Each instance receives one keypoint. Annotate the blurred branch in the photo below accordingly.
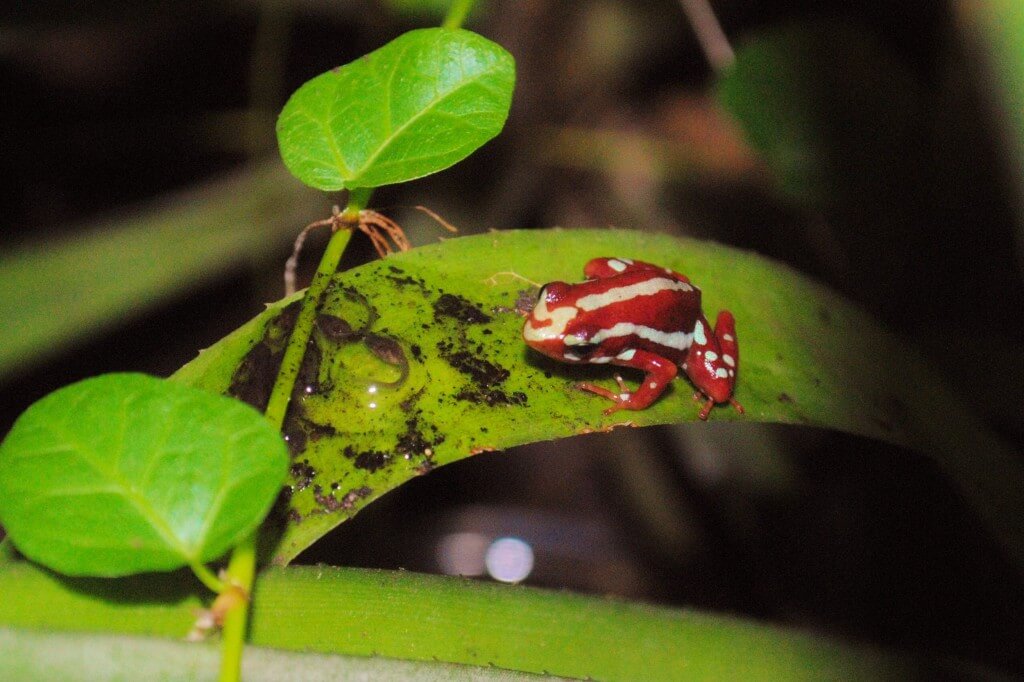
(66, 291)
(709, 33)
(266, 73)
(670, 157)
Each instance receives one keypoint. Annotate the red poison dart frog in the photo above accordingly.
(638, 315)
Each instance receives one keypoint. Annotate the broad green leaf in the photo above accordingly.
(68, 289)
(418, 362)
(421, 103)
(125, 473)
(441, 619)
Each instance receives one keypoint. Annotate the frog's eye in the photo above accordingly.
(553, 292)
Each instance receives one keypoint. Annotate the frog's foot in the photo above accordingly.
(621, 399)
(709, 403)
(658, 374)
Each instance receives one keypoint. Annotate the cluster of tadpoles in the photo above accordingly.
(378, 227)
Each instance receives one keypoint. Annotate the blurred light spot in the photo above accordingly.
(509, 560)
(372, 406)
(372, 389)
(462, 553)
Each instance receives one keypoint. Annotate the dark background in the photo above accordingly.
(907, 208)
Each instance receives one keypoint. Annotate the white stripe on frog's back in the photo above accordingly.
(648, 287)
(677, 340)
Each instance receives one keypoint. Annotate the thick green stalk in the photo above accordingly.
(242, 566)
(241, 573)
(408, 616)
(457, 13)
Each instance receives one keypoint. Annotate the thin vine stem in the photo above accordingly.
(457, 13)
(709, 34)
(281, 394)
(207, 577)
(241, 569)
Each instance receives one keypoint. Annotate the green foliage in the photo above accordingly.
(1001, 25)
(418, 361)
(70, 288)
(410, 108)
(442, 619)
(125, 473)
(432, 10)
(80, 657)
(827, 107)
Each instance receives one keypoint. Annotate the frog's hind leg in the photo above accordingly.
(725, 331)
(658, 374)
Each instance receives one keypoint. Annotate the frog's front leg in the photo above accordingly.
(658, 374)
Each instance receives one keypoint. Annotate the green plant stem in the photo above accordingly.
(457, 13)
(280, 396)
(207, 577)
(241, 572)
(242, 566)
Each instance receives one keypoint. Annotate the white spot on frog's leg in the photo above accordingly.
(732, 373)
(652, 385)
(729, 360)
(616, 265)
(728, 337)
(711, 356)
(626, 354)
(600, 360)
(698, 334)
(648, 287)
(623, 396)
(571, 356)
(721, 373)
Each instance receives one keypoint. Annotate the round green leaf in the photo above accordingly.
(421, 103)
(125, 473)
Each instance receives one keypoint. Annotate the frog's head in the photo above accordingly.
(545, 325)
